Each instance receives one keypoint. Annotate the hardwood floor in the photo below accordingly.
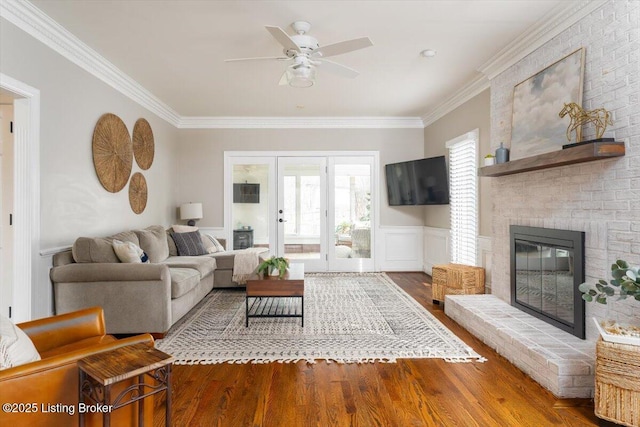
(412, 392)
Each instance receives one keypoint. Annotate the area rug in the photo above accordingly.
(349, 318)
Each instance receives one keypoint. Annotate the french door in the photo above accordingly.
(302, 211)
(312, 209)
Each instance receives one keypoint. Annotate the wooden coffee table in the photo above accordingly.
(267, 293)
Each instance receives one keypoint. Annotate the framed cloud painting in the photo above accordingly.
(536, 126)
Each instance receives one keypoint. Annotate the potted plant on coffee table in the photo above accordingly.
(274, 266)
(625, 284)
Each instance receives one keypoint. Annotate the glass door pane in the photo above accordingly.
(351, 185)
(252, 205)
(302, 211)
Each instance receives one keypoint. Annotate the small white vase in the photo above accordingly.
(489, 161)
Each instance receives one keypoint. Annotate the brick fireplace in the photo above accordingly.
(601, 199)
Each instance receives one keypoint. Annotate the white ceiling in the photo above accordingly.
(176, 50)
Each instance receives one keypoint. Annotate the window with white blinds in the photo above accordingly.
(463, 193)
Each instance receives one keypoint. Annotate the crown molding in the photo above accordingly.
(300, 122)
(468, 91)
(36, 23)
(550, 25)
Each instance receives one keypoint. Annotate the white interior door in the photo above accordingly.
(302, 211)
(6, 208)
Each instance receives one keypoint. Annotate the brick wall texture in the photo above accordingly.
(601, 198)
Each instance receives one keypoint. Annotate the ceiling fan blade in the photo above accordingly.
(282, 38)
(284, 80)
(343, 47)
(265, 58)
(335, 68)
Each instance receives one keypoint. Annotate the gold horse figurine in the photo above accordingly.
(599, 117)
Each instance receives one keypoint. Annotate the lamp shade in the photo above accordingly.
(191, 211)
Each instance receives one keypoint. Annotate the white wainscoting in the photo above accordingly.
(436, 247)
(399, 248)
(436, 251)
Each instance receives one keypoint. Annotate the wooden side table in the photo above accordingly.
(100, 371)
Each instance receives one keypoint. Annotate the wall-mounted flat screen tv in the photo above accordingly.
(418, 182)
(246, 193)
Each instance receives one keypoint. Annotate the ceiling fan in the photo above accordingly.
(307, 55)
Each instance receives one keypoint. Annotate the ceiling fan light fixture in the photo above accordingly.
(301, 76)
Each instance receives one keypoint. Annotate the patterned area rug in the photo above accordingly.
(349, 318)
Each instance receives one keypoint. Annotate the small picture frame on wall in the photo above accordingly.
(536, 126)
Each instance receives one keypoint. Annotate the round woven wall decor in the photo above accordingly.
(138, 193)
(112, 152)
(143, 145)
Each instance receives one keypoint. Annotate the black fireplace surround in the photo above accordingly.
(547, 266)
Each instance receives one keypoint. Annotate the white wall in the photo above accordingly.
(473, 114)
(73, 202)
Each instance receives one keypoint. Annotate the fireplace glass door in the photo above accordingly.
(544, 279)
(547, 266)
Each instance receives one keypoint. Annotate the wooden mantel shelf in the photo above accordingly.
(578, 154)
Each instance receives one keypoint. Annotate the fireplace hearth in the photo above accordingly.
(547, 266)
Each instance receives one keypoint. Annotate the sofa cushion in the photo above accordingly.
(224, 260)
(89, 249)
(204, 265)
(16, 348)
(153, 241)
(100, 249)
(189, 244)
(173, 250)
(183, 280)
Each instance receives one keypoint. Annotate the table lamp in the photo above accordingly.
(191, 212)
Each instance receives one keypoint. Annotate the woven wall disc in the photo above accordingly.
(112, 152)
(138, 193)
(143, 145)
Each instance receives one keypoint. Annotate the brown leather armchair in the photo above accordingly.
(52, 383)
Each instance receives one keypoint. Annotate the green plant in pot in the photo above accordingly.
(272, 264)
(625, 283)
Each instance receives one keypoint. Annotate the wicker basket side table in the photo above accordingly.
(456, 279)
(617, 394)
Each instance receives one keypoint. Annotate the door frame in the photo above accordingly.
(375, 183)
(26, 195)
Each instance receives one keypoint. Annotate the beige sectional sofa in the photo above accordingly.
(137, 297)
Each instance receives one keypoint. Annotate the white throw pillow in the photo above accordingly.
(16, 348)
(211, 244)
(177, 228)
(127, 252)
